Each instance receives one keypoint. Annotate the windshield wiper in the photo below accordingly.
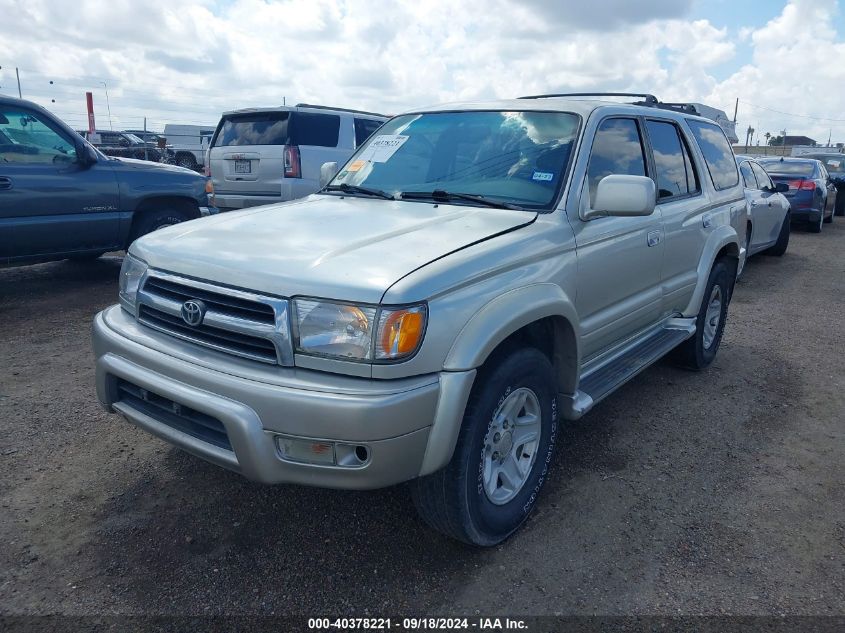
(347, 188)
(439, 195)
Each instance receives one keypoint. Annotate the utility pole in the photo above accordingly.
(736, 108)
(146, 157)
(108, 107)
(18, 75)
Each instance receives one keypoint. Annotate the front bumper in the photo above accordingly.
(408, 426)
(206, 211)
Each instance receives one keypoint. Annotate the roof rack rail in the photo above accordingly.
(689, 108)
(322, 107)
(649, 99)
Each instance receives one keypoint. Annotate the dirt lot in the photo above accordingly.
(683, 493)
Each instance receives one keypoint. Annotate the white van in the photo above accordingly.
(189, 143)
(260, 156)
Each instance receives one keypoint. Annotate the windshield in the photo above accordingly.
(134, 139)
(789, 168)
(518, 158)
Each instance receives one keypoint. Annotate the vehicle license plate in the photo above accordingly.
(243, 167)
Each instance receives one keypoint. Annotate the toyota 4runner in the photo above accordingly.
(471, 276)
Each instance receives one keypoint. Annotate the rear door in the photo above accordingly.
(681, 204)
(50, 203)
(247, 153)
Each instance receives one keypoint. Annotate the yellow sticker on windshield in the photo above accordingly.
(356, 165)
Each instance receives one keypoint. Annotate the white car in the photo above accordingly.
(768, 210)
(264, 155)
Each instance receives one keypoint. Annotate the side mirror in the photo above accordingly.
(85, 155)
(327, 172)
(623, 196)
(781, 187)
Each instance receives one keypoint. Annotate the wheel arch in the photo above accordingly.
(723, 243)
(151, 204)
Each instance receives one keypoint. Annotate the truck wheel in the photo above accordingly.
(779, 248)
(155, 220)
(830, 219)
(186, 160)
(699, 351)
(502, 456)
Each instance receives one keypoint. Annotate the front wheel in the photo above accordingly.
(699, 351)
(502, 456)
(155, 220)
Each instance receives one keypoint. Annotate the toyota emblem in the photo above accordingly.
(193, 311)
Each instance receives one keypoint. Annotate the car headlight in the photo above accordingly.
(131, 273)
(356, 332)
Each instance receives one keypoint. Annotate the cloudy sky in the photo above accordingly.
(185, 61)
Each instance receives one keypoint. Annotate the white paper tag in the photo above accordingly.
(382, 148)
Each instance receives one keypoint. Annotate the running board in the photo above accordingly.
(602, 380)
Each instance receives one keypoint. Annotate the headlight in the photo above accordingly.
(131, 274)
(360, 333)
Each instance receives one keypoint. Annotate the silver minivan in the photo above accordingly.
(263, 155)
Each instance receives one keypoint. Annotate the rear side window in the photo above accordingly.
(364, 129)
(717, 154)
(260, 128)
(748, 178)
(617, 149)
(762, 177)
(310, 128)
(675, 175)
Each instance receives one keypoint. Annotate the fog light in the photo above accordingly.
(306, 451)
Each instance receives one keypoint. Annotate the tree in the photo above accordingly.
(776, 140)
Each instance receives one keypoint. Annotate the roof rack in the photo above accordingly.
(321, 107)
(649, 99)
(689, 108)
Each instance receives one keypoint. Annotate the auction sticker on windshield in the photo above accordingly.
(383, 147)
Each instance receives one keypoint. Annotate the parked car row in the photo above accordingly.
(127, 145)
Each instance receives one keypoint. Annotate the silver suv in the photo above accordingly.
(474, 274)
(260, 156)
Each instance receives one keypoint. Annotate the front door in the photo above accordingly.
(619, 259)
(50, 203)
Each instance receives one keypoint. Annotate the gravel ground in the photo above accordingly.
(683, 493)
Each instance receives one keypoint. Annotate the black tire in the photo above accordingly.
(839, 209)
(830, 219)
(814, 227)
(187, 161)
(453, 500)
(779, 248)
(153, 220)
(694, 353)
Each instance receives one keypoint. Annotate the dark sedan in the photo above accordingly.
(811, 194)
(835, 165)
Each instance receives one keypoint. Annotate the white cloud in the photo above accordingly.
(190, 60)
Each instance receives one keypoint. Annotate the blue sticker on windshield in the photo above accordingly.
(543, 176)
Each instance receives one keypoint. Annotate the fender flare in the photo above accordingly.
(722, 236)
(506, 314)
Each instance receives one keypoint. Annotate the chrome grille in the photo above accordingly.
(237, 322)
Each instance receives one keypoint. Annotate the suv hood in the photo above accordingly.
(324, 246)
(151, 165)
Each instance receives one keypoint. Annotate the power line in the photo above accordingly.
(802, 116)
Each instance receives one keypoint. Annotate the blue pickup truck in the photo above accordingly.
(62, 198)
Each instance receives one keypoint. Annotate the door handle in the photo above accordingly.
(5, 183)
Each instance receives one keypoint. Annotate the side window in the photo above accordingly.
(717, 154)
(364, 129)
(748, 178)
(27, 137)
(762, 177)
(617, 149)
(310, 128)
(675, 175)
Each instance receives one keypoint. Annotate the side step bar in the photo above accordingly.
(600, 381)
